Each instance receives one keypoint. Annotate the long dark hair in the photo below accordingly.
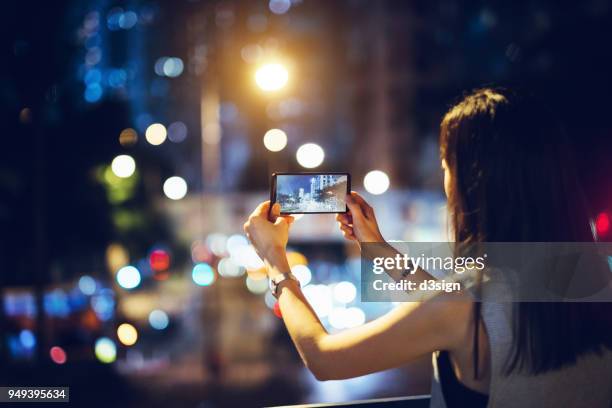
(513, 179)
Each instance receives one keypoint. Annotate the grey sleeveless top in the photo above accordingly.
(588, 383)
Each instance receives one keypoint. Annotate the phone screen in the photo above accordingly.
(303, 193)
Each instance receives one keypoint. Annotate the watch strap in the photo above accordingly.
(276, 281)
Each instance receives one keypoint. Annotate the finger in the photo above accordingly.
(366, 208)
(346, 229)
(344, 218)
(342, 225)
(354, 208)
(262, 209)
(349, 236)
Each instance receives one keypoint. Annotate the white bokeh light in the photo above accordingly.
(234, 242)
(156, 134)
(320, 298)
(275, 140)
(228, 268)
(354, 316)
(302, 273)
(336, 318)
(128, 277)
(175, 188)
(173, 67)
(376, 182)
(344, 292)
(271, 77)
(310, 155)
(123, 166)
(257, 286)
(247, 257)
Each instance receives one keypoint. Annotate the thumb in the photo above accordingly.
(354, 208)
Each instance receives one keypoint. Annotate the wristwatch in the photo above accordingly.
(275, 281)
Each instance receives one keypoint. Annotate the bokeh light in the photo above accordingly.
(257, 286)
(310, 155)
(123, 166)
(203, 274)
(128, 20)
(234, 242)
(128, 137)
(344, 292)
(177, 132)
(295, 258)
(277, 311)
(320, 298)
(25, 115)
(27, 339)
(156, 134)
(128, 277)
(200, 252)
(251, 53)
(58, 355)
(376, 182)
(217, 242)
(247, 257)
(271, 77)
(269, 299)
(116, 256)
(354, 317)
(127, 334)
(103, 304)
(227, 268)
(172, 67)
(275, 140)
(602, 224)
(93, 92)
(175, 188)
(302, 273)
(159, 260)
(87, 285)
(105, 350)
(158, 319)
(279, 6)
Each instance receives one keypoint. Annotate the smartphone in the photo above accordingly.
(310, 193)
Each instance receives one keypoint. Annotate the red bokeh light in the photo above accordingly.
(602, 224)
(159, 260)
(277, 311)
(58, 355)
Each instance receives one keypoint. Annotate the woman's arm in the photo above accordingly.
(409, 331)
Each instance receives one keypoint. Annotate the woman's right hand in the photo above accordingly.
(359, 223)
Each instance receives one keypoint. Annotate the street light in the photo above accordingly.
(271, 77)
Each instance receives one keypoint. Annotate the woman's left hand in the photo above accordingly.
(268, 231)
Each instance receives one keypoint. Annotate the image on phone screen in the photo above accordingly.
(300, 193)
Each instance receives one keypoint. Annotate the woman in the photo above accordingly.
(508, 176)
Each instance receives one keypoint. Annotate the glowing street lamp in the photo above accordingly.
(271, 77)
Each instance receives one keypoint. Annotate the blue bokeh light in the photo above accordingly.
(203, 274)
(93, 92)
(158, 319)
